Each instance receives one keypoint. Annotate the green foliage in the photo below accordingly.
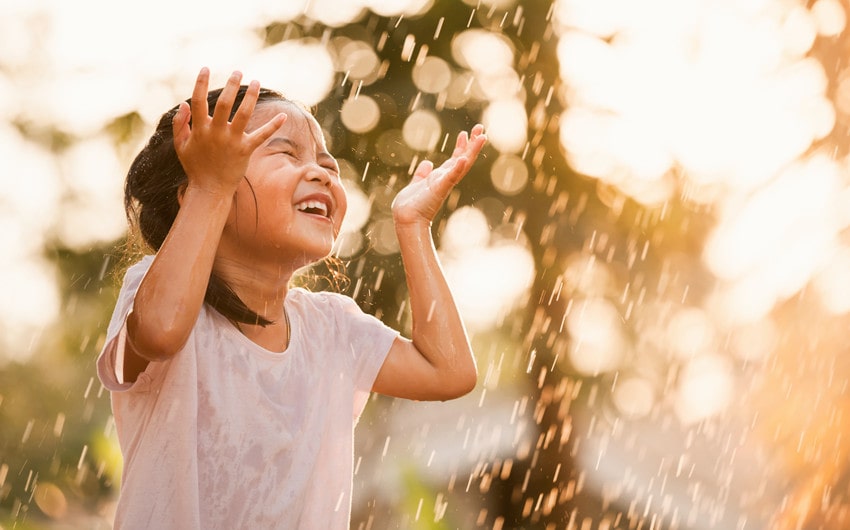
(52, 408)
(424, 505)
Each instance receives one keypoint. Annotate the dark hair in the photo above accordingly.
(150, 199)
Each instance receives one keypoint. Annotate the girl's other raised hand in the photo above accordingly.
(214, 150)
(422, 198)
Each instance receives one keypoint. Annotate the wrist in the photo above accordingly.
(220, 191)
(211, 196)
(418, 225)
(415, 237)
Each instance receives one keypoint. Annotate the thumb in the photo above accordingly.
(423, 170)
(180, 124)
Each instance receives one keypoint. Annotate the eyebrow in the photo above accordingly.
(281, 140)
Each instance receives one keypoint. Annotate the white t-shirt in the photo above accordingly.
(229, 435)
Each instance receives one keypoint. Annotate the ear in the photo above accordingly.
(180, 192)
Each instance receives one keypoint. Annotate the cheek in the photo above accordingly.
(342, 208)
(254, 204)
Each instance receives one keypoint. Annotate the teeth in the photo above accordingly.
(312, 205)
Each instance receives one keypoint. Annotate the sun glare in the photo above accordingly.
(489, 275)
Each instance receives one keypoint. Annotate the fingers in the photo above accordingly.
(467, 147)
(423, 170)
(460, 143)
(200, 110)
(448, 175)
(223, 106)
(470, 144)
(246, 108)
(476, 141)
(180, 123)
(456, 170)
(263, 133)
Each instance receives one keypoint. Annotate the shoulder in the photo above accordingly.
(142, 265)
(134, 274)
(322, 301)
(339, 309)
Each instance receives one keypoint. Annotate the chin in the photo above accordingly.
(325, 248)
(317, 252)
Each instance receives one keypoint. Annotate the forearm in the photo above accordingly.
(438, 331)
(172, 292)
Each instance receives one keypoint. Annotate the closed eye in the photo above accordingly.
(283, 146)
(328, 162)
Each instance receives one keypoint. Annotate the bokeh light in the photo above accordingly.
(382, 236)
(433, 75)
(598, 340)
(389, 8)
(422, 130)
(691, 333)
(483, 51)
(509, 174)
(350, 239)
(775, 240)
(830, 17)
(490, 275)
(679, 107)
(634, 397)
(358, 61)
(465, 229)
(360, 114)
(50, 500)
(489, 282)
(507, 124)
(334, 13)
(93, 213)
(281, 66)
(705, 388)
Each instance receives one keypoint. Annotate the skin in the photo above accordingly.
(256, 248)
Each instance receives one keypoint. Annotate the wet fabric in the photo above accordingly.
(227, 434)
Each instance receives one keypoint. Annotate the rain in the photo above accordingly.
(651, 256)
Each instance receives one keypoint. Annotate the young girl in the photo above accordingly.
(235, 396)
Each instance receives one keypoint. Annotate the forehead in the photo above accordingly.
(299, 124)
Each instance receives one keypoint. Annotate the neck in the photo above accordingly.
(261, 287)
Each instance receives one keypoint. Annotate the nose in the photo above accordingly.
(316, 173)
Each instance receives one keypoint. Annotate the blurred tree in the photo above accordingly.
(53, 410)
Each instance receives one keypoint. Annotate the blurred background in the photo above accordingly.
(652, 256)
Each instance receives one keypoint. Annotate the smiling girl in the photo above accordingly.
(234, 395)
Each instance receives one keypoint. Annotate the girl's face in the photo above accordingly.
(291, 204)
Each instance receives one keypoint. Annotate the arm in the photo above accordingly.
(214, 153)
(437, 363)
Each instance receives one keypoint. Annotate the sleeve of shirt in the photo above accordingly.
(110, 362)
(369, 341)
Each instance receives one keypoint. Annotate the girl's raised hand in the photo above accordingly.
(422, 198)
(215, 150)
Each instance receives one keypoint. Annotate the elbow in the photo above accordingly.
(461, 385)
(469, 382)
(153, 342)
